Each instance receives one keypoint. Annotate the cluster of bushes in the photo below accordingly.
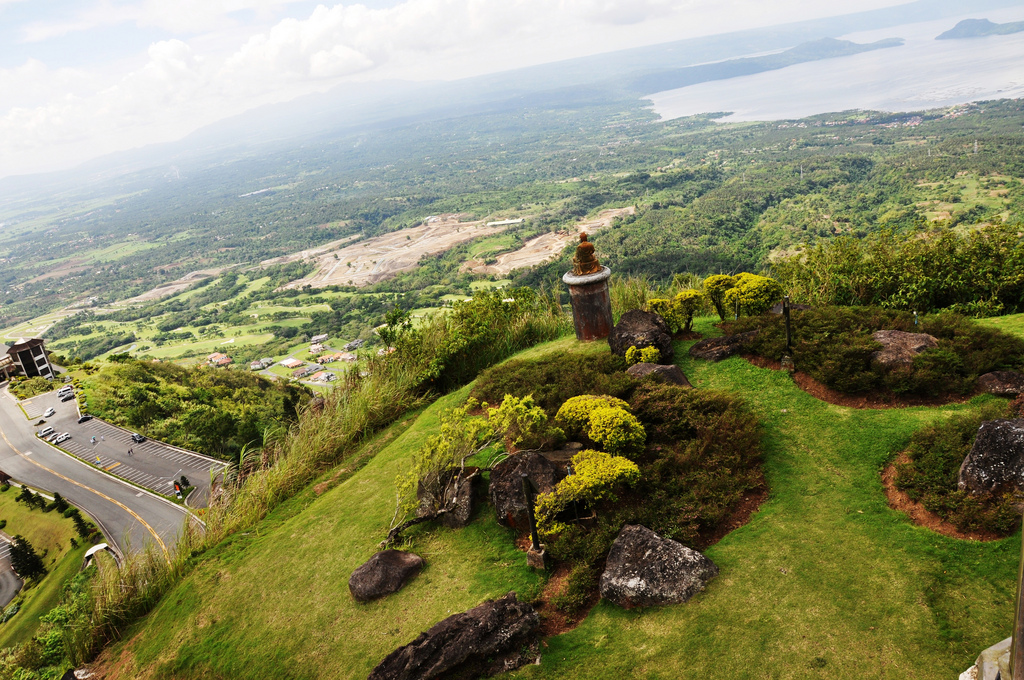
(929, 476)
(699, 456)
(834, 346)
(26, 388)
(216, 412)
(976, 273)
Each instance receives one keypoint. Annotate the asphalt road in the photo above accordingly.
(153, 465)
(10, 584)
(130, 518)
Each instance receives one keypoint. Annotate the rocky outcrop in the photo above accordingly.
(996, 460)
(458, 495)
(899, 347)
(507, 487)
(716, 349)
(660, 372)
(643, 570)
(383, 574)
(1002, 383)
(497, 636)
(641, 329)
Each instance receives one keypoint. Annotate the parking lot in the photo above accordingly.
(152, 465)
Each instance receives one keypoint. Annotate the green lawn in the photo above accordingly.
(1011, 323)
(825, 581)
(40, 599)
(46, 531)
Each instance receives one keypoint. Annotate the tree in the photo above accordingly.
(25, 560)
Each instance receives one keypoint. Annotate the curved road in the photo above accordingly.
(129, 518)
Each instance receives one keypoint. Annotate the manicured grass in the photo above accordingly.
(40, 599)
(47, 531)
(1011, 323)
(824, 581)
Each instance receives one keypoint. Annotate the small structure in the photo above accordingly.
(355, 344)
(316, 348)
(256, 366)
(25, 357)
(347, 356)
(218, 359)
(317, 339)
(291, 362)
(303, 372)
(323, 376)
(589, 293)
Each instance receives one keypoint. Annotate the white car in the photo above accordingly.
(49, 412)
(62, 438)
(45, 432)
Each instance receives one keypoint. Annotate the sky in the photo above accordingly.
(81, 78)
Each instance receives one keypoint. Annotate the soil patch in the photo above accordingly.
(872, 399)
(552, 621)
(740, 515)
(898, 500)
(687, 335)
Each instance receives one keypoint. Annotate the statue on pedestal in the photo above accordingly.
(585, 261)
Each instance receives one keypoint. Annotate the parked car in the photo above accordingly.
(53, 436)
(84, 418)
(63, 438)
(45, 432)
(137, 438)
(67, 389)
(49, 412)
(67, 397)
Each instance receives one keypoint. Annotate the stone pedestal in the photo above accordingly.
(787, 363)
(993, 663)
(538, 559)
(591, 304)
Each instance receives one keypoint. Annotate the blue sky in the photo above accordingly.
(80, 78)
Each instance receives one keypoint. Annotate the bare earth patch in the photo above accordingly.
(381, 257)
(899, 500)
(173, 287)
(545, 246)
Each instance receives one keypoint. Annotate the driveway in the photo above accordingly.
(152, 465)
(128, 516)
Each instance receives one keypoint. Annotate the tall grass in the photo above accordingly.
(364, 402)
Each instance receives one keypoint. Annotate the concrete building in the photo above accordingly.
(25, 357)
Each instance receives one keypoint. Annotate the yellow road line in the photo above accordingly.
(124, 507)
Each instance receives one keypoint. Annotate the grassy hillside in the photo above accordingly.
(825, 580)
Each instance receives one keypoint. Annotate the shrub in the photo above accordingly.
(715, 287)
(523, 424)
(930, 474)
(687, 303)
(753, 294)
(617, 431)
(574, 415)
(595, 476)
(554, 378)
(650, 355)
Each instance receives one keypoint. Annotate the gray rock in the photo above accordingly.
(383, 574)
(996, 460)
(506, 490)
(641, 329)
(899, 347)
(458, 498)
(716, 349)
(643, 570)
(497, 636)
(1002, 383)
(660, 372)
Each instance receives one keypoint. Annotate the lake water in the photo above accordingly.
(924, 73)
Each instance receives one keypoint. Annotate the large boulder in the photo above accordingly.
(996, 460)
(499, 635)
(716, 349)
(660, 372)
(899, 347)
(641, 329)
(643, 569)
(507, 487)
(1002, 383)
(383, 574)
(460, 488)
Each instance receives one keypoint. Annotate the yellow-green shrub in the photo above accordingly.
(522, 423)
(617, 430)
(756, 294)
(715, 287)
(677, 312)
(574, 414)
(595, 476)
(649, 355)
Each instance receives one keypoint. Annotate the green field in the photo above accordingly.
(824, 581)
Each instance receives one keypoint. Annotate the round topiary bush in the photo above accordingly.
(617, 431)
(574, 415)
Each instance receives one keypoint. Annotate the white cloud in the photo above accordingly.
(62, 116)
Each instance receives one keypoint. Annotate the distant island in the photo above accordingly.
(977, 28)
(825, 48)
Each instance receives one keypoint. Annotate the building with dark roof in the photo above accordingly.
(25, 357)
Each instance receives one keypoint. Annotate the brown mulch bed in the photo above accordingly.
(898, 500)
(872, 399)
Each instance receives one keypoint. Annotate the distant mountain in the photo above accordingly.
(825, 48)
(977, 28)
